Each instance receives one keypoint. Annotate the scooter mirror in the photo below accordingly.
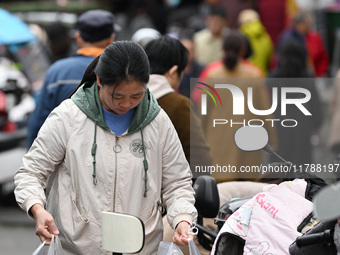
(327, 203)
(207, 197)
(122, 233)
(251, 138)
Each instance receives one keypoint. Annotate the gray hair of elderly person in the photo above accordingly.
(145, 35)
(303, 17)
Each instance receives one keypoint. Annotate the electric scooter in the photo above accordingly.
(243, 136)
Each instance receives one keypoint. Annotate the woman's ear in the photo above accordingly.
(173, 70)
(173, 77)
(170, 74)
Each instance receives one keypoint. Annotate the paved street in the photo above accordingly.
(17, 232)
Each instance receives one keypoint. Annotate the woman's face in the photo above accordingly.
(122, 98)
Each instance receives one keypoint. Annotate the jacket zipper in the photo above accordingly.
(117, 148)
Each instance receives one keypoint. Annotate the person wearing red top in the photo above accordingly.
(318, 53)
(213, 66)
(301, 30)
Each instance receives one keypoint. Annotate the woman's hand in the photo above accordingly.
(44, 223)
(181, 233)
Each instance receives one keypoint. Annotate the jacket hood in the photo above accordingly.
(87, 99)
(159, 85)
(253, 28)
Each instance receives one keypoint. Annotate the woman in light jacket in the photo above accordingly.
(110, 147)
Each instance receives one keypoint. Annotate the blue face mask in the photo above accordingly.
(173, 3)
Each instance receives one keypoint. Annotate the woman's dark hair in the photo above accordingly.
(218, 10)
(164, 53)
(292, 59)
(233, 43)
(121, 61)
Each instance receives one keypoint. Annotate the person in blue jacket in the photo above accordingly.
(95, 31)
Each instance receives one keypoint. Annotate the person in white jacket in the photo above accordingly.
(110, 147)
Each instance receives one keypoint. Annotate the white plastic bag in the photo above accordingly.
(168, 248)
(193, 250)
(54, 248)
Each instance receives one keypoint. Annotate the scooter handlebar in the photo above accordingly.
(206, 231)
(315, 238)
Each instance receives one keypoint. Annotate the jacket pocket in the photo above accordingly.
(85, 218)
(81, 215)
